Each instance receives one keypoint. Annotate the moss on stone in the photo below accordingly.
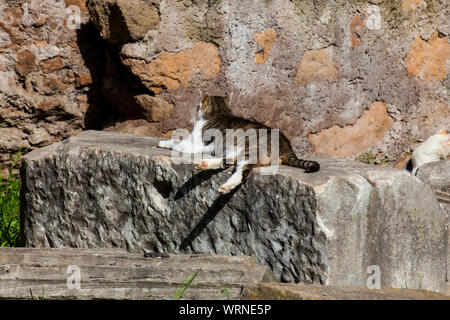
(370, 158)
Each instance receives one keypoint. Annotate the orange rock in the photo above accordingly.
(413, 4)
(25, 62)
(79, 3)
(401, 164)
(172, 70)
(139, 127)
(315, 64)
(13, 16)
(428, 59)
(350, 140)
(265, 41)
(50, 86)
(154, 109)
(40, 22)
(83, 79)
(51, 65)
(48, 105)
(356, 24)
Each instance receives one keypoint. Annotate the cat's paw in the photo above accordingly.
(224, 189)
(165, 144)
(207, 164)
(203, 165)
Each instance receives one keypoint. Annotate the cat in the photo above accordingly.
(435, 148)
(214, 113)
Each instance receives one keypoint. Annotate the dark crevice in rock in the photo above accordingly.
(165, 188)
(92, 48)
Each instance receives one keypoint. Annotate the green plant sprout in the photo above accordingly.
(10, 207)
(186, 284)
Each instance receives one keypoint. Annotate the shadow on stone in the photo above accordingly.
(215, 208)
(195, 181)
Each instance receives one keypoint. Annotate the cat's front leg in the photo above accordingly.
(209, 164)
(168, 144)
(236, 178)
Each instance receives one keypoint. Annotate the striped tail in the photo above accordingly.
(293, 161)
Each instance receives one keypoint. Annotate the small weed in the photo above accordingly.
(186, 284)
(226, 292)
(10, 207)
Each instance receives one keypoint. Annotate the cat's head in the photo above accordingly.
(212, 105)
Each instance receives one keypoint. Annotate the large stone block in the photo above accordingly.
(102, 189)
(116, 274)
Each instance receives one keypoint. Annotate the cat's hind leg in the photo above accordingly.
(236, 178)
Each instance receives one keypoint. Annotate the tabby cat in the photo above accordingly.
(214, 113)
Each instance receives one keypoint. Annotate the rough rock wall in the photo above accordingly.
(50, 64)
(365, 79)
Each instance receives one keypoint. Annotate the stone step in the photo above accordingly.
(289, 291)
(117, 274)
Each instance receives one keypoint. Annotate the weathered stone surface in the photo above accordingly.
(139, 127)
(288, 291)
(172, 70)
(266, 41)
(315, 65)
(154, 109)
(108, 190)
(122, 21)
(40, 55)
(428, 59)
(25, 62)
(303, 67)
(436, 174)
(351, 140)
(413, 4)
(260, 48)
(117, 274)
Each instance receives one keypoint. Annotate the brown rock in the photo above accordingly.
(39, 137)
(350, 140)
(154, 109)
(40, 22)
(83, 79)
(51, 65)
(79, 3)
(290, 291)
(12, 139)
(355, 26)
(13, 16)
(265, 41)
(413, 4)
(315, 65)
(172, 70)
(51, 85)
(25, 62)
(47, 105)
(139, 127)
(402, 164)
(122, 21)
(428, 59)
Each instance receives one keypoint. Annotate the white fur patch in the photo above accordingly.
(435, 148)
(193, 143)
(235, 179)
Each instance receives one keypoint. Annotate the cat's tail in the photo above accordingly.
(292, 160)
